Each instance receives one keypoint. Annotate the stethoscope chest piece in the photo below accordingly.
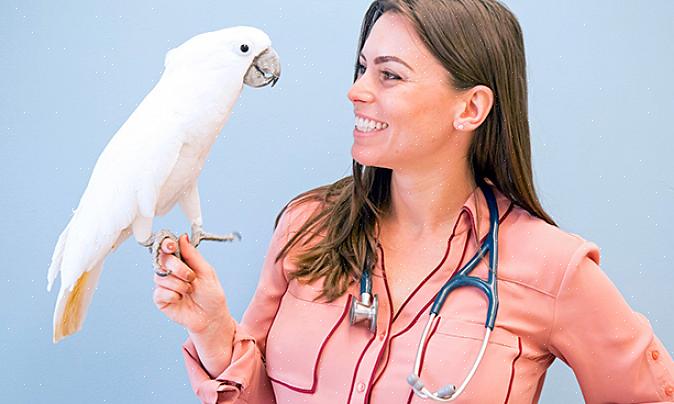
(364, 310)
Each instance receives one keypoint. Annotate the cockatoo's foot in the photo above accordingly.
(154, 244)
(198, 234)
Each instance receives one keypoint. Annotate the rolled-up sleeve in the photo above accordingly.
(244, 380)
(612, 350)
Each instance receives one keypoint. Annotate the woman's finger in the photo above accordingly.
(173, 283)
(177, 267)
(191, 255)
(168, 246)
(163, 297)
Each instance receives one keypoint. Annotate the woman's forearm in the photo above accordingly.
(215, 346)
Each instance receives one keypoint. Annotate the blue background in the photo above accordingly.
(72, 72)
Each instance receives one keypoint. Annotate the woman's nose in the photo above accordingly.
(359, 91)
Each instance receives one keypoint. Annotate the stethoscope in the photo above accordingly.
(366, 309)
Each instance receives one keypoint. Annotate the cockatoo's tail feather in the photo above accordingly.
(56, 259)
(71, 321)
(73, 303)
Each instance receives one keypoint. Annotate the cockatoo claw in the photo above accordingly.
(198, 235)
(153, 243)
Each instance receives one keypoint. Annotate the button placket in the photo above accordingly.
(366, 368)
(375, 349)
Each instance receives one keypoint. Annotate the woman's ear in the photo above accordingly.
(477, 102)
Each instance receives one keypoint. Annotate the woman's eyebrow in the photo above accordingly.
(383, 59)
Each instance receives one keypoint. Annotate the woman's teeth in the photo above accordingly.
(367, 125)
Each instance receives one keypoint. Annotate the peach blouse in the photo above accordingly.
(555, 302)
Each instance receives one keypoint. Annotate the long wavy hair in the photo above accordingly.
(479, 42)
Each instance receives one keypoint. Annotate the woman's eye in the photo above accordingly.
(360, 70)
(389, 75)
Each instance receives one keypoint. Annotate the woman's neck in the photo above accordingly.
(425, 202)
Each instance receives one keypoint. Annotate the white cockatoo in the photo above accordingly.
(154, 160)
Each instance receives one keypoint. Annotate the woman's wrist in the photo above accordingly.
(214, 345)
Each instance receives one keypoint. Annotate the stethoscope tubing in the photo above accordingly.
(362, 311)
(462, 278)
(448, 392)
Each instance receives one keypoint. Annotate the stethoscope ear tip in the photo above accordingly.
(414, 381)
(446, 391)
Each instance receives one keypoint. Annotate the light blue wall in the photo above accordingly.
(71, 72)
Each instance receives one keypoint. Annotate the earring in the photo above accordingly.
(458, 125)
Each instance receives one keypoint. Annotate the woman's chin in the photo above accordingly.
(366, 157)
(363, 157)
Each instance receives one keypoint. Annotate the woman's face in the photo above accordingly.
(405, 94)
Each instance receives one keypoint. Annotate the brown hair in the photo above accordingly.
(479, 42)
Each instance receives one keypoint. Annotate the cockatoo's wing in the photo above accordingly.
(123, 189)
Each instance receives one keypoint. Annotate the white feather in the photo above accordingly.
(154, 157)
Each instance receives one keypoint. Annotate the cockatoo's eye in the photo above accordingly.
(243, 47)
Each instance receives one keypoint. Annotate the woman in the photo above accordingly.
(440, 106)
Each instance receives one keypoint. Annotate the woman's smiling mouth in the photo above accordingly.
(367, 125)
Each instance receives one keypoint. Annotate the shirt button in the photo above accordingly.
(360, 387)
(669, 390)
(655, 355)
(382, 336)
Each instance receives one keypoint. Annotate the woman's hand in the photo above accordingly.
(191, 295)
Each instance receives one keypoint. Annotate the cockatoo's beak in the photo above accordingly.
(265, 69)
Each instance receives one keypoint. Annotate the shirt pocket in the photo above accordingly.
(451, 351)
(300, 331)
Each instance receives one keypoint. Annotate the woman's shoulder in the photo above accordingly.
(308, 203)
(539, 254)
(300, 209)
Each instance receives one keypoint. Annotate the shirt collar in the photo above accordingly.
(475, 212)
(474, 215)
